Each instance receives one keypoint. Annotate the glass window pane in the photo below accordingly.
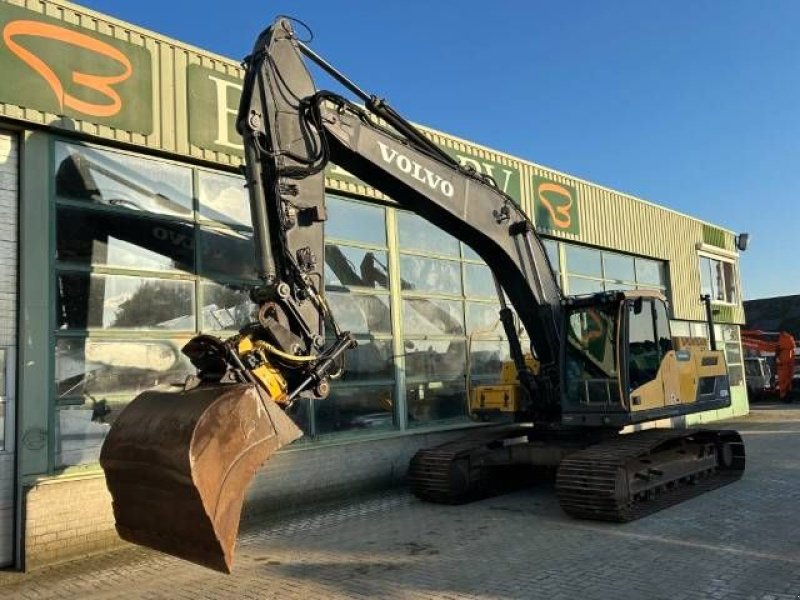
(371, 360)
(583, 261)
(644, 358)
(423, 316)
(717, 280)
(223, 198)
(729, 271)
(650, 271)
(736, 375)
(227, 253)
(115, 179)
(119, 301)
(415, 233)
(356, 408)
(486, 361)
(478, 281)
(699, 330)
(435, 360)
(80, 435)
(730, 333)
(123, 240)
(361, 313)
(435, 401)
(551, 247)
(733, 355)
(680, 328)
(618, 267)
(355, 221)
(706, 288)
(91, 370)
(663, 333)
(469, 253)
(579, 285)
(226, 306)
(484, 319)
(430, 275)
(346, 266)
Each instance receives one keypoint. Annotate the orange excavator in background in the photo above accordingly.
(775, 351)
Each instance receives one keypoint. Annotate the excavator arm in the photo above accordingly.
(292, 132)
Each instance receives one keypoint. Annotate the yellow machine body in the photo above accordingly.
(504, 397)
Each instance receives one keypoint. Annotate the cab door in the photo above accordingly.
(652, 365)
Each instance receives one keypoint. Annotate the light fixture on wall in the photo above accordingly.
(742, 240)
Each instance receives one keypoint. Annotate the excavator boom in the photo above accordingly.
(192, 450)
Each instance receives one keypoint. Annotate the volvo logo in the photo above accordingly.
(417, 171)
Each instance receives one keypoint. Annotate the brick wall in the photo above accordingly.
(67, 518)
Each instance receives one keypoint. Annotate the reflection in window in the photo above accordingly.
(123, 240)
(356, 408)
(484, 319)
(88, 371)
(349, 220)
(468, 253)
(579, 285)
(95, 379)
(347, 266)
(435, 401)
(423, 316)
(618, 267)
(223, 198)
(371, 360)
(478, 281)
(228, 253)
(117, 301)
(486, 360)
(551, 247)
(435, 360)
(431, 274)
(644, 357)
(650, 272)
(591, 361)
(226, 306)
(717, 279)
(115, 179)
(415, 233)
(583, 261)
(361, 313)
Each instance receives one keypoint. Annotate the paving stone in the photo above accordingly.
(737, 542)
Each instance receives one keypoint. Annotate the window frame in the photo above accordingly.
(733, 285)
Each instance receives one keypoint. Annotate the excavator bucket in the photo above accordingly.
(177, 465)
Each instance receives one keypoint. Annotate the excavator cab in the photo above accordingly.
(621, 365)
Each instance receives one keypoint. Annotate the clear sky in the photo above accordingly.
(689, 104)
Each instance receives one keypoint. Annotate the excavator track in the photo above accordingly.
(453, 474)
(634, 475)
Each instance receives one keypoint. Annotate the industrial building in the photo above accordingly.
(126, 230)
(779, 313)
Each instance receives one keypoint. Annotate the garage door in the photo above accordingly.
(8, 339)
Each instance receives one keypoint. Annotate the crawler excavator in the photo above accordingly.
(177, 461)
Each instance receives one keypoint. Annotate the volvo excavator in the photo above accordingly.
(177, 461)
